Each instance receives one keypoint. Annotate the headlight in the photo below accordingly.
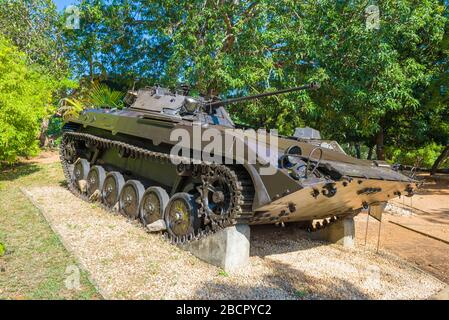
(290, 159)
(191, 104)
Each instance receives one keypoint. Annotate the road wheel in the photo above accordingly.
(153, 204)
(130, 198)
(80, 171)
(181, 216)
(112, 186)
(95, 179)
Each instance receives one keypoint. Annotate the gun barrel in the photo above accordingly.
(311, 86)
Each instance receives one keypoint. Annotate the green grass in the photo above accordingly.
(35, 261)
(301, 293)
(223, 273)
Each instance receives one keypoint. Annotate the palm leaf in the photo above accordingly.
(70, 108)
(101, 96)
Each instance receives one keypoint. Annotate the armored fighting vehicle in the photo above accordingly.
(131, 160)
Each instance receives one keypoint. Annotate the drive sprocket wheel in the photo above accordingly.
(220, 196)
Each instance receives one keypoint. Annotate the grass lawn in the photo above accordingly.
(35, 265)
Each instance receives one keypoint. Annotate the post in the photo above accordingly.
(340, 232)
(227, 248)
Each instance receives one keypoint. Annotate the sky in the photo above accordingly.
(61, 4)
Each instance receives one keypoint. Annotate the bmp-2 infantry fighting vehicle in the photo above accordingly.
(123, 159)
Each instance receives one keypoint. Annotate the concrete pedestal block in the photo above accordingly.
(227, 248)
(340, 232)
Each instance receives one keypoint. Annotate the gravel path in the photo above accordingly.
(125, 262)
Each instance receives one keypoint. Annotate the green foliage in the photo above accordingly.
(2, 249)
(368, 76)
(54, 126)
(25, 98)
(119, 41)
(301, 293)
(34, 27)
(97, 95)
(235, 48)
(392, 80)
(71, 108)
(223, 273)
(422, 157)
(100, 95)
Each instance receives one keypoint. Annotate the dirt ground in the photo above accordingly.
(46, 156)
(430, 215)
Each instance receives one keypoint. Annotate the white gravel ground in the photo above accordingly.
(125, 262)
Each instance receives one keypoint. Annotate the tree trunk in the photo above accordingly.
(357, 150)
(380, 145)
(444, 154)
(91, 69)
(370, 152)
(43, 139)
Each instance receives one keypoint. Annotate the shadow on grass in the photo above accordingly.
(17, 171)
(63, 183)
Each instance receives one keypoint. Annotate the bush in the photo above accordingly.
(425, 156)
(25, 99)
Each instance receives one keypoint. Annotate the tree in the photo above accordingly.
(34, 26)
(25, 99)
(231, 48)
(368, 75)
(115, 44)
(376, 82)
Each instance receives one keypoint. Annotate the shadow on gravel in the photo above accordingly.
(284, 282)
(270, 239)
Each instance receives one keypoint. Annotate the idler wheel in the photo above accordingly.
(80, 171)
(95, 179)
(153, 204)
(112, 186)
(181, 216)
(69, 152)
(130, 198)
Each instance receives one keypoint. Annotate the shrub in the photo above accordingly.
(424, 157)
(25, 99)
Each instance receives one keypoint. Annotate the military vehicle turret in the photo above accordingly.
(132, 161)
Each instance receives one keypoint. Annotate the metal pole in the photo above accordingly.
(378, 236)
(366, 230)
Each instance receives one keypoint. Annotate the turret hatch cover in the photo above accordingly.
(156, 100)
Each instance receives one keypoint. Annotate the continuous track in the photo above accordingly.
(240, 206)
